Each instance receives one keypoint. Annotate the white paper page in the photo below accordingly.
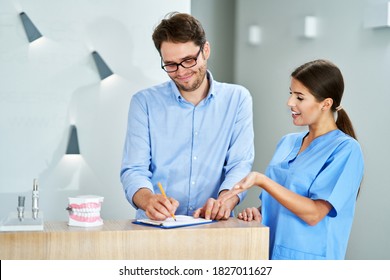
(181, 220)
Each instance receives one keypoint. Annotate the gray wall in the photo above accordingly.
(363, 55)
(218, 20)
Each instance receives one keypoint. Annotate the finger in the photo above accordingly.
(257, 218)
(229, 194)
(207, 214)
(155, 209)
(208, 208)
(218, 215)
(256, 215)
(164, 206)
(223, 213)
(244, 215)
(175, 204)
(249, 215)
(217, 212)
(166, 203)
(155, 215)
(227, 214)
(161, 209)
(197, 213)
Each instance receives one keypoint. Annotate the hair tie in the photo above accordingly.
(338, 108)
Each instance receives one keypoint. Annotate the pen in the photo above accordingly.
(163, 193)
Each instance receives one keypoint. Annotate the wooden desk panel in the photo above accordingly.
(121, 239)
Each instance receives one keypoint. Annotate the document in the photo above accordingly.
(181, 221)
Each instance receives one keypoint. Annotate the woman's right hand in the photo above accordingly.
(250, 214)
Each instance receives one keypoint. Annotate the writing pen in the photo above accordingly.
(163, 193)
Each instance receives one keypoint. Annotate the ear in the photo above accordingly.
(206, 50)
(327, 104)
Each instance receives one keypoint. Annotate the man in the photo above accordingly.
(192, 134)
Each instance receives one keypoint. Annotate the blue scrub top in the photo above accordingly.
(331, 169)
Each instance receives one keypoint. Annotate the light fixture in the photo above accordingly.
(254, 35)
(309, 27)
(306, 27)
(73, 142)
(104, 70)
(31, 31)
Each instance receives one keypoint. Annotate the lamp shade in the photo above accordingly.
(104, 70)
(31, 31)
(73, 142)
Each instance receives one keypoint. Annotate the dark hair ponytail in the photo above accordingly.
(324, 80)
(344, 123)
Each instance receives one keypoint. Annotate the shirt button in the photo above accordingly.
(193, 182)
(195, 157)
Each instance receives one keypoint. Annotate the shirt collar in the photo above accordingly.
(210, 94)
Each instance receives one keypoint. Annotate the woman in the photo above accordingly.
(311, 184)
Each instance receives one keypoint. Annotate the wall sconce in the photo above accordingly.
(31, 31)
(104, 70)
(377, 15)
(254, 35)
(73, 142)
(309, 28)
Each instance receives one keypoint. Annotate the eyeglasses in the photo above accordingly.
(186, 63)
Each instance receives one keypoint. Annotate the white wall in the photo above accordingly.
(47, 85)
(364, 58)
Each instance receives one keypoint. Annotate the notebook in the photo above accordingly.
(181, 221)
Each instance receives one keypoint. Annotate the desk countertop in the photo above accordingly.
(121, 239)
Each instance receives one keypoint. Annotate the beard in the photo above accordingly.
(200, 75)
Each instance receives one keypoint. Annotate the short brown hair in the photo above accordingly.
(179, 28)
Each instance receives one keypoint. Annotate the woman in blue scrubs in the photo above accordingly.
(310, 187)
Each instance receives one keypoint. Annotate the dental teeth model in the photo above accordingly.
(84, 211)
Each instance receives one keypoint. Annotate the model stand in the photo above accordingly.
(19, 221)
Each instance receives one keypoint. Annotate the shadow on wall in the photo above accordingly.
(99, 111)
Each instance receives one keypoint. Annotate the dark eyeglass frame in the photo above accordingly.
(181, 63)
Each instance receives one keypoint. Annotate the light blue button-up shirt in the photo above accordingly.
(194, 151)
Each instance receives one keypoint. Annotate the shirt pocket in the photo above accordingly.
(284, 253)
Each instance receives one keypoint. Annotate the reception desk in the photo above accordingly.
(121, 239)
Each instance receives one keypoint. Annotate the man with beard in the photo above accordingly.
(192, 133)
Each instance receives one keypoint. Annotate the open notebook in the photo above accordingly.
(181, 221)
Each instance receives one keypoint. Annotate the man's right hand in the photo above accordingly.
(156, 206)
